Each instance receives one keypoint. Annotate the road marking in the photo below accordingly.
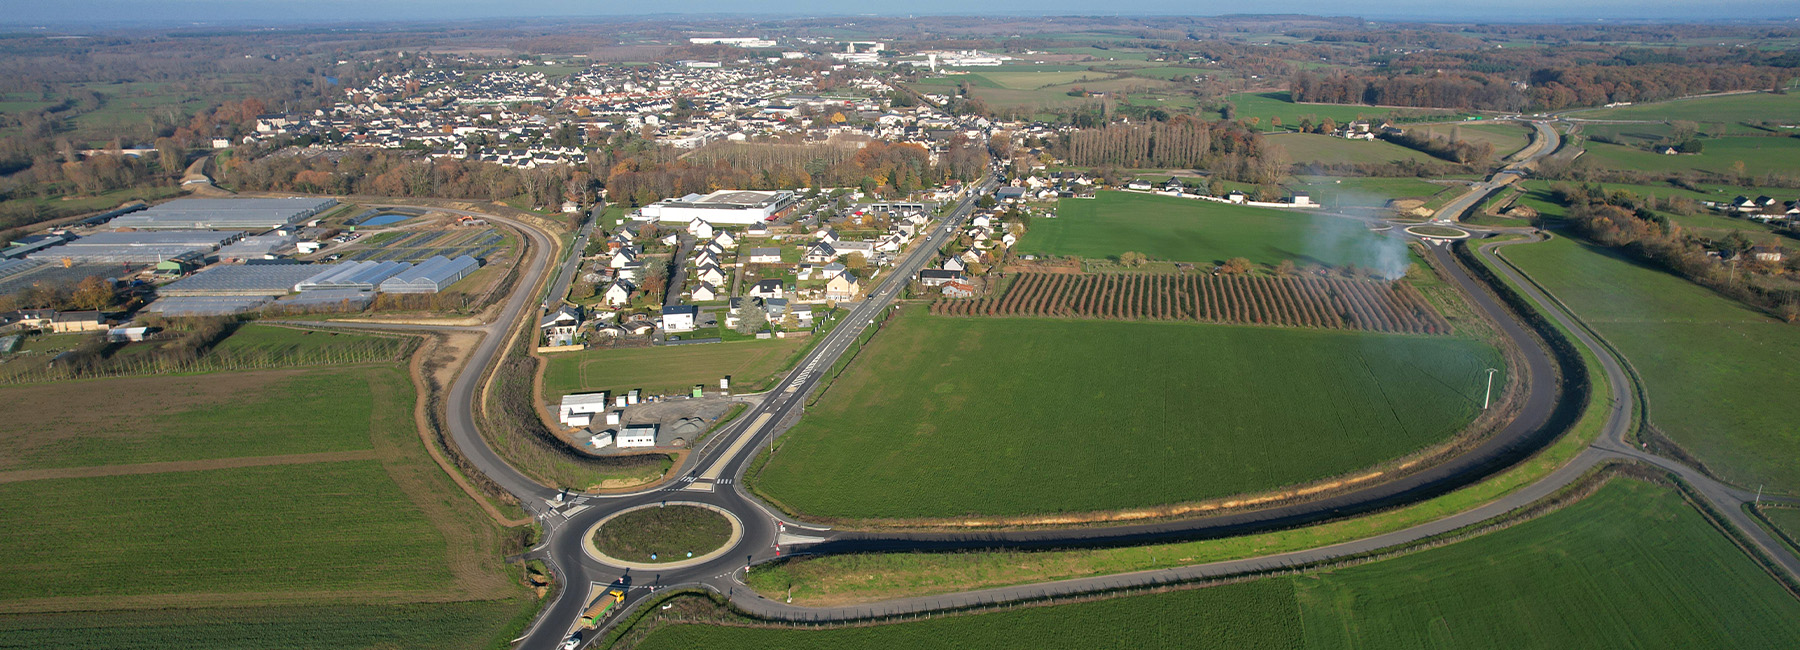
(718, 467)
(698, 487)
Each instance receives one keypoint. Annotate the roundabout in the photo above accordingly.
(1435, 231)
(663, 535)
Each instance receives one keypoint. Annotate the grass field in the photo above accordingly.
(1507, 137)
(1271, 105)
(1787, 520)
(668, 369)
(1760, 155)
(193, 417)
(461, 625)
(309, 527)
(1751, 107)
(1355, 191)
(1187, 230)
(1317, 148)
(1029, 416)
(1708, 364)
(670, 533)
(275, 343)
(1631, 566)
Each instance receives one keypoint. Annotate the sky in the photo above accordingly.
(165, 12)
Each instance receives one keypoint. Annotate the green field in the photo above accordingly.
(195, 417)
(1760, 155)
(308, 527)
(1188, 230)
(673, 369)
(277, 342)
(1709, 365)
(1321, 149)
(1507, 137)
(1354, 191)
(670, 533)
(1271, 105)
(462, 625)
(1787, 520)
(1632, 566)
(1752, 107)
(1028, 416)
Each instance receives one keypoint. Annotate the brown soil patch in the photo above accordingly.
(64, 412)
(183, 466)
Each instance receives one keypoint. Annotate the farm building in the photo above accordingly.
(248, 280)
(359, 276)
(431, 275)
(578, 410)
(637, 435)
(342, 299)
(741, 207)
(248, 214)
(77, 321)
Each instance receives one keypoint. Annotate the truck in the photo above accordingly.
(602, 607)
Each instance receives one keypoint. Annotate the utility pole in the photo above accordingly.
(1759, 488)
(1490, 388)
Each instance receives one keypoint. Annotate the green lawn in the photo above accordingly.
(277, 343)
(1753, 107)
(1318, 148)
(1027, 416)
(311, 527)
(1271, 105)
(1712, 368)
(670, 533)
(1787, 520)
(1189, 230)
(196, 417)
(673, 369)
(478, 625)
(1632, 566)
(1760, 155)
(1507, 137)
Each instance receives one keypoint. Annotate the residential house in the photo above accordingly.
(706, 292)
(767, 289)
(700, 229)
(826, 234)
(623, 256)
(821, 253)
(559, 328)
(679, 318)
(618, 294)
(958, 290)
(843, 287)
(1768, 254)
(765, 256)
(725, 240)
(710, 273)
(1237, 196)
(938, 277)
(955, 264)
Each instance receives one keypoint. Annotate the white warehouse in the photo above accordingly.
(733, 207)
(578, 410)
(431, 275)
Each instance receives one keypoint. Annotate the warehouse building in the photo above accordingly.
(637, 435)
(739, 207)
(578, 410)
(358, 276)
(247, 214)
(246, 280)
(431, 275)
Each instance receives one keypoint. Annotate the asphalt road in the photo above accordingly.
(1541, 146)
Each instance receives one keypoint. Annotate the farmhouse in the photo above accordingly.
(578, 410)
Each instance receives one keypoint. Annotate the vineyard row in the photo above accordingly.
(1330, 303)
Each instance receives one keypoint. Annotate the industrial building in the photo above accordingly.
(431, 275)
(137, 247)
(245, 280)
(247, 214)
(739, 207)
(358, 276)
(636, 435)
(578, 410)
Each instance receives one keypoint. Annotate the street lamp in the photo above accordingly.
(1490, 388)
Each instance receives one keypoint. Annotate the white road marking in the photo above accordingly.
(718, 467)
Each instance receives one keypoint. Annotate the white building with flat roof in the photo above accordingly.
(578, 410)
(732, 207)
(636, 435)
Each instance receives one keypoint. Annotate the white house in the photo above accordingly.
(710, 273)
(679, 318)
(1237, 196)
(765, 256)
(1302, 198)
(767, 289)
(636, 435)
(699, 228)
(725, 240)
(821, 253)
(618, 294)
(559, 328)
(622, 257)
(706, 292)
(578, 410)
(955, 264)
